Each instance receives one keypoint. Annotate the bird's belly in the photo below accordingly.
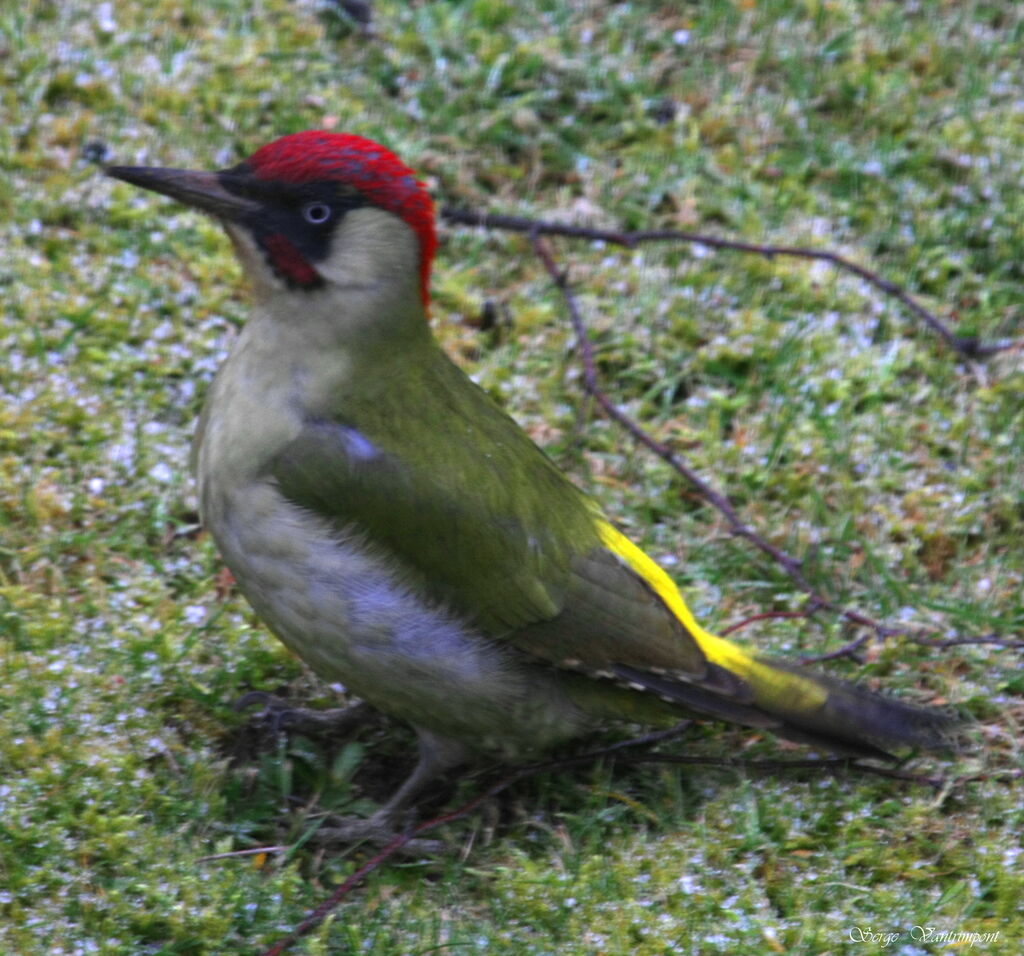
(345, 610)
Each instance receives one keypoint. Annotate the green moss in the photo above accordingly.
(843, 429)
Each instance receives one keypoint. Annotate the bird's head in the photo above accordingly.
(315, 211)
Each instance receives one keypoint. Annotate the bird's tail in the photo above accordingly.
(805, 706)
(788, 699)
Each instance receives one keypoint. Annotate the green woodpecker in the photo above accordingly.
(402, 535)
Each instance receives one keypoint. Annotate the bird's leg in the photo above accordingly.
(436, 755)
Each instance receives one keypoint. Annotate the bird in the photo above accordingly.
(399, 532)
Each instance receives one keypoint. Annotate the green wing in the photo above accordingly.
(450, 486)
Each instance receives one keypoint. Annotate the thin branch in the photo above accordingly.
(968, 346)
(990, 639)
(321, 912)
(535, 228)
(593, 388)
(763, 616)
(616, 750)
(849, 649)
(789, 564)
(831, 764)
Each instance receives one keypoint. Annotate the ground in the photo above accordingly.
(840, 426)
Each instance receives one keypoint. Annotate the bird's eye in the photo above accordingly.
(316, 213)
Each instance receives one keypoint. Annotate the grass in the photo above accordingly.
(838, 425)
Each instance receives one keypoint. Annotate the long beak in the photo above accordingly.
(201, 190)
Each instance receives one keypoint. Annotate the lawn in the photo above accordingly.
(139, 811)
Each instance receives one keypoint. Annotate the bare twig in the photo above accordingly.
(617, 751)
(318, 915)
(849, 649)
(789, 564)
(535, 228)
(831, 764)
(968, 346)
(990, 639)
(763, 616)
(593, 388)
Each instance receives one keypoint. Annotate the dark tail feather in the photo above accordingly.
(854, 715)
(851, 720)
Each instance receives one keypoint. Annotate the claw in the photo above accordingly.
(336, 722)
(378, 830)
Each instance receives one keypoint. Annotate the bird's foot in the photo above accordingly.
(278, 715)
(381, 830)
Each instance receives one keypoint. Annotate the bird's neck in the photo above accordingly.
(301, 358)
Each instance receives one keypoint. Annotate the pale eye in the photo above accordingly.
(316, 213)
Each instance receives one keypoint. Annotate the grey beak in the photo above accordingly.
(200, 190)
